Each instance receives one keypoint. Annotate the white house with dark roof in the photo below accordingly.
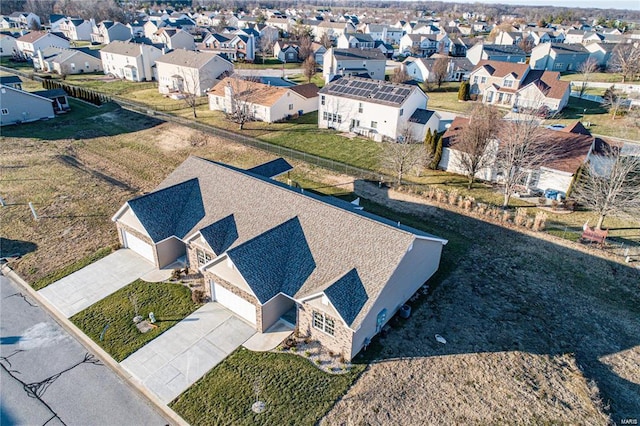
(29, 43)
(355, 41)
(276, 252)
(375, 109)
(558, 56)
(421, 69)
(131, 61)
(76, 29)
(107, 31)
(346, 62)
(191, 72)
(495, 52)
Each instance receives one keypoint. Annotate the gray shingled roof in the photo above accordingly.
(272, 168)
(348, 296)
(188, 58)
(277, 261)
(499, 49)
(172, 211)
(338, 239)
(421, 116)
(122, 48)
(220, 235)
(9, 79)
(358, 54)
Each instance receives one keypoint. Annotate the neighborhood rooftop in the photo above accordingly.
(377, 91)
(352, 54)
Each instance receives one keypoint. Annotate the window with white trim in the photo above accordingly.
(290, 107)
(360, 107)
(324, 323)
(5, 111)
(374, 124)
(322, 100)
(203, 257)
(508, 83)
(483, 80)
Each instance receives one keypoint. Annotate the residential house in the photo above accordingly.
(333, 29)
(245, 48)
(559, 57)
(517, 85)
(276, 250)
(286, 52)
(24, 20)
(8, 45)
(131, 61)
(508, 38)
(186, 71)
(18, 106)
(29, 43)
(67, 61)
(386, 49)
(76, 29)
(107, 31)
(424, 45)
(55, 20)
(59, 98)
(172, 38)
(345, 62)
(572, 147)
(574, 36)
(318, 52)
(421, 69)
(266, 102)
(495, 52)
(282, 24)
(7, 24)
(376, 109)
(355, 41)
(600, 52)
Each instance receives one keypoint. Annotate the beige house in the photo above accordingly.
(131, 61)
(66, 61)
(191, 72)
(273, 252)
(266, 103)
(511, 85)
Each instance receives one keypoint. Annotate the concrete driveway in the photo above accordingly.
(176, 359)
(92, 283)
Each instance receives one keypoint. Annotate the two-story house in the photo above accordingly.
(421, 69)
(345, 62)
(517, 85)
(76, 29)
(29, 43)
(559, 57)
(67, 61)
(355, 41)
(131, 61)
(186, 71)
(172, 38)
(107, 31)
(424, 45)
(376, 109)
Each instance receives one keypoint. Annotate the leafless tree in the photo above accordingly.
(266, 44)
(526, 44)
(325, 40)
(309, 68)
(403, 156)
(610, 184)
(243, 95)
(305, 47)
(476, 142)
(626, 60)
(440, 70)
(522, 150)
(191, 87)
(587, 68)
(614, 100)
(400, 75)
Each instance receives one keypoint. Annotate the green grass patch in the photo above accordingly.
(170, 303)
(597, 77)
(9, 63)
(317, 79)
(71, 268)
(268, 63)
(295, 392)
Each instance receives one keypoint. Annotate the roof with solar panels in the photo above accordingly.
(364, 89)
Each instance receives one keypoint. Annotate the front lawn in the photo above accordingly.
(170, 303)
(295, 392)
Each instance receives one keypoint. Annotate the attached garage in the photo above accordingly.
(233, 302)
(143, 248)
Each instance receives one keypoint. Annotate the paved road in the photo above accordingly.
(48, 377)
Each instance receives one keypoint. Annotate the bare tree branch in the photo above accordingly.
(610, 184)
(626, 60)
(440, 70)
(587, 68)
(405, 155)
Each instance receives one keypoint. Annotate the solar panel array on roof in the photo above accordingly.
(374, 89)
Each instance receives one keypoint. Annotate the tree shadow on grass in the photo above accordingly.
(502, 290)
(15, 248)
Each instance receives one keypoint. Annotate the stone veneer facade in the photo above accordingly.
(339, 343)
(138, 234)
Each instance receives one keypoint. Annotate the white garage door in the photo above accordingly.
(234, 303)
(136, 244)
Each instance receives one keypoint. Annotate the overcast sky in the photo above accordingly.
(602, 4)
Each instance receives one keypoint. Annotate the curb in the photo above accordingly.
(171, 416)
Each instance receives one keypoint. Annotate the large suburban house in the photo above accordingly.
(172, 38)
(67, 61)
(375, 109)
(347, 62)
(517, 85)
(276, 251)
(8, 45)
(76, 29)
(19, 106)
(424, 45)
(131, 61)
(265, 102)
(495, 52)
(355, 41)
(572, 147)
(186, 71)
(29, 43)
(559, 57)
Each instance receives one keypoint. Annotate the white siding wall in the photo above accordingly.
(554, 179)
